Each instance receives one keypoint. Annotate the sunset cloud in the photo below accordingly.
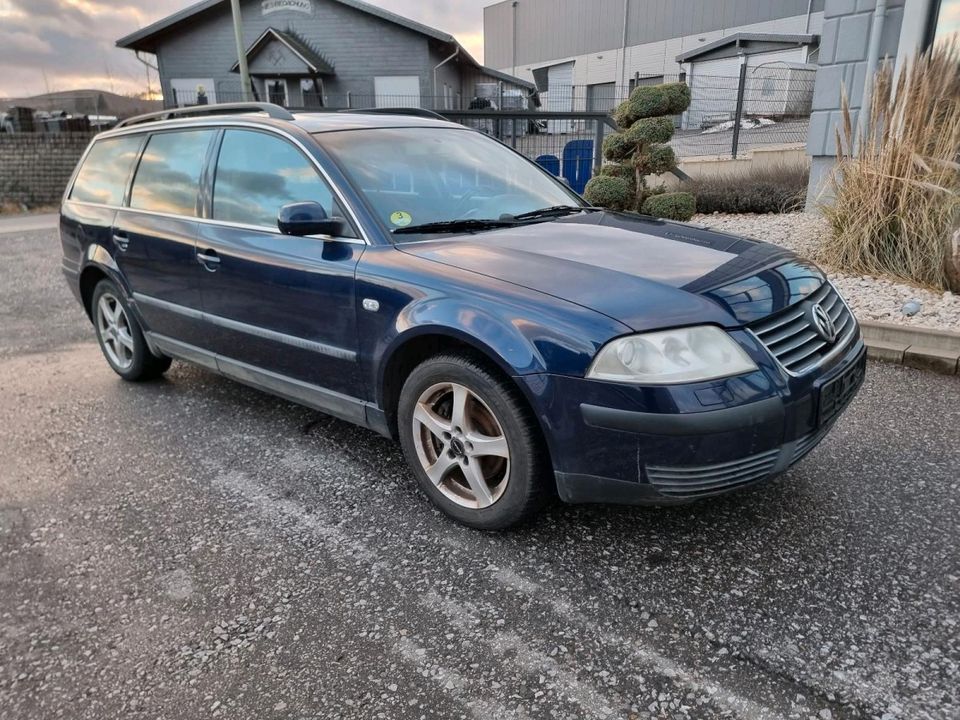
(69, 44)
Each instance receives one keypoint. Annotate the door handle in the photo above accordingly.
(121, 241)
(209, 260)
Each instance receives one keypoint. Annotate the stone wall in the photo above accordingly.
(35, 168)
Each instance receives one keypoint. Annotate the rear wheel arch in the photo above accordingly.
(89, 279)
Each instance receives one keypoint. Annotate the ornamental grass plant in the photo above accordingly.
(896, 204)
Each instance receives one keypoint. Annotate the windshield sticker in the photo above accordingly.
(401, 218)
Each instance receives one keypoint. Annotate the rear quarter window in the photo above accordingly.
(103, 176)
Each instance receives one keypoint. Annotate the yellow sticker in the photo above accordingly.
(401, 218)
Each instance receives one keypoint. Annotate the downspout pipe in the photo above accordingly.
(623, 44)
(437, 68)
(873, 61)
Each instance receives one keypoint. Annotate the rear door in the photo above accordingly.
(156, 234)
(275, 302)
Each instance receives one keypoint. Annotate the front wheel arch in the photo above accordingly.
(415, 349)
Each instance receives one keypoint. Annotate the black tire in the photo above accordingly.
(143, 364)
(529, 474)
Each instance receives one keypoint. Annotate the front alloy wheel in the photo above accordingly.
(461, 446)
(472, 442)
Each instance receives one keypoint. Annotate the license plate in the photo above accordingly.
(836, 394)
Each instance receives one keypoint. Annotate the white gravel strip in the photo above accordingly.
(871, 298)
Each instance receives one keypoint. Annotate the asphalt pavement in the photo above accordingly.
(191, 548)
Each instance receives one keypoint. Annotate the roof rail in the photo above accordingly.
(274, 111)
(414, 112)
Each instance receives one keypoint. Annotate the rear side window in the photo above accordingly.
(103, 177)
(257, 174)
(168, 178)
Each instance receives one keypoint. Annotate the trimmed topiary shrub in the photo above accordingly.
(672, 206)
(658, 160)
(616, 193)
(649, 131)
(678, 97)
(616, 147)
(640, 149)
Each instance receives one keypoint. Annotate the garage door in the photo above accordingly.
(713, 92)
(601, 97)
(559, 96)
(397, 91)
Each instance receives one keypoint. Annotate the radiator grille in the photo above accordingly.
(791, 337)
(689, 481)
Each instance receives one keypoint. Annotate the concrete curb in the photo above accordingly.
(934, 350)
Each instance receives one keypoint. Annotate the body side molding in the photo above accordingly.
(291, 340)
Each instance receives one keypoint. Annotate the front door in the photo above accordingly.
(156, 235)
(276, 303)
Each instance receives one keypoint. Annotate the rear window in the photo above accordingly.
(168, 178)
(103, 177)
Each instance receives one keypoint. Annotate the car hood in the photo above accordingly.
(646, 273)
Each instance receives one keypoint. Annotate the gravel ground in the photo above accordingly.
(191, 548)
(871, 298)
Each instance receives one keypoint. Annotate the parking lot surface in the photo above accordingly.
(192, 548)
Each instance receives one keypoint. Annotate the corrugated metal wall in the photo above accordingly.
(552, 29)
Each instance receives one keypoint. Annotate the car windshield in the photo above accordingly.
(415, 177)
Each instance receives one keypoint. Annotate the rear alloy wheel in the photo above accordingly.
(471, 443)
(121, 338)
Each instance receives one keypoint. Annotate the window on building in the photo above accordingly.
(168, 178)
(277, 92)
(945, 23)
(312, 91)
(103, 177)
(257, 174)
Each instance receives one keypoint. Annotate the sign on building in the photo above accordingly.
(271, 6)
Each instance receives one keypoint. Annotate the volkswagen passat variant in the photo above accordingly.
(423, 280)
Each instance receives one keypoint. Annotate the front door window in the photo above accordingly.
(277, 92)
(312, 92)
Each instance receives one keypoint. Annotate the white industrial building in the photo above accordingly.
(588, 54)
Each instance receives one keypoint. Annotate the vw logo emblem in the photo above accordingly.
(823, 323)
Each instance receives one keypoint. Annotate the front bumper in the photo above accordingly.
(622, 444)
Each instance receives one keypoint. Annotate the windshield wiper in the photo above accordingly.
(552, 211)
(452, 226)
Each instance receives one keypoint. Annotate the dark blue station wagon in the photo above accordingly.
(423, 280)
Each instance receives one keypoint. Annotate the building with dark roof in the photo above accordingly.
(316, 53)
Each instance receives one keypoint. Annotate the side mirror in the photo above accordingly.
(308, 218)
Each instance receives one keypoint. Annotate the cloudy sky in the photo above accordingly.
(69, 44)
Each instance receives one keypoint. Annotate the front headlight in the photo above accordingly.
(689, 354)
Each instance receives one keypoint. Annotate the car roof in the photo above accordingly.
(329, 122)
(311, 122)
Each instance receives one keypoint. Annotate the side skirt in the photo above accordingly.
(351, 409)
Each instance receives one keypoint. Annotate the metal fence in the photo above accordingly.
(763, 106)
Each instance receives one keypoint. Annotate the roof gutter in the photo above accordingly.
(437, 67)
